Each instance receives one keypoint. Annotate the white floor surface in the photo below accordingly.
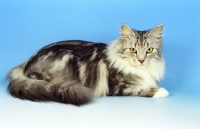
(178, 111)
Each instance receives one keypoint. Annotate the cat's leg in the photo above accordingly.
(138, 91)
(161, 93)
(155, 92)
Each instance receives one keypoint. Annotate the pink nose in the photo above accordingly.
(141, 61)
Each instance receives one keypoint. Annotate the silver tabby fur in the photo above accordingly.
(76, 71)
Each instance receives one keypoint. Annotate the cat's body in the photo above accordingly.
(76, 71)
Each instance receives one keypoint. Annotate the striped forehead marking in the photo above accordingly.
(141, 37)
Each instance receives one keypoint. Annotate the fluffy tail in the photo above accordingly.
(23, 87)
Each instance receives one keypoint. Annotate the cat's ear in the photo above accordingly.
(157, 31)
(126, 31)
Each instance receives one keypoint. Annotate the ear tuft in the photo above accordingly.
(126, 31)
(157, 31)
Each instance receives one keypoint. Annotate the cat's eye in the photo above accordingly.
(133, 50)
(149, 50)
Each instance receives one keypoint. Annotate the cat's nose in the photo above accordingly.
(141, 61)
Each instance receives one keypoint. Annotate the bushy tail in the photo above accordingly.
(23, 87)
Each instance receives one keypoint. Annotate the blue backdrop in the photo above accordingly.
(26, 26)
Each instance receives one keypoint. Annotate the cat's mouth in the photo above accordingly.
(141, 66)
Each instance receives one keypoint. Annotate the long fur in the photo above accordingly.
(76, 71)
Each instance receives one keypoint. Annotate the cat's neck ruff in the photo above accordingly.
(155, 69)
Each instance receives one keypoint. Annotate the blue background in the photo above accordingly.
(26, 26)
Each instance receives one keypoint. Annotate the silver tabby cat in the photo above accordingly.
(76, 71)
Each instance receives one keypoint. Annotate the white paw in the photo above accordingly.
(161, 93)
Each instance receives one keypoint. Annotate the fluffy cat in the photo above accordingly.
(76, 71)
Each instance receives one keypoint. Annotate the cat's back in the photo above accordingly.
(83, 51)
(75, 47)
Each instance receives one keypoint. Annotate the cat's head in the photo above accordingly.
(140, 48)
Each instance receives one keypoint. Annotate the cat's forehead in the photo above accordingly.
(140, 38)
(140, 34)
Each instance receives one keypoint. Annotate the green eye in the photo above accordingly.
(149, 50)
(133, 50)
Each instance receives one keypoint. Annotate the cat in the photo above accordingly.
(76, 71)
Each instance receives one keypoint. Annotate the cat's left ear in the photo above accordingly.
(126, 31)
(157, 31)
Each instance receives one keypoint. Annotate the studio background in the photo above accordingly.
(28, 25)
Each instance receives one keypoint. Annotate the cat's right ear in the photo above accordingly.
(157, 31)
(126, 31)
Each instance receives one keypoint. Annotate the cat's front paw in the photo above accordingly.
(161, 93)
